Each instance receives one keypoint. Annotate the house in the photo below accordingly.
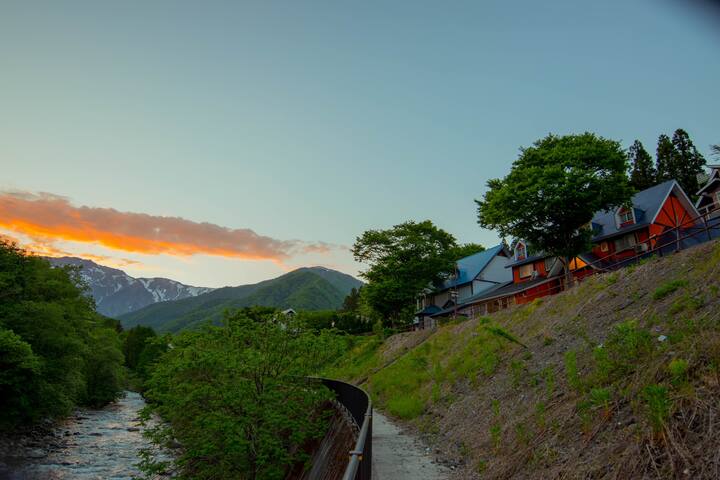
(709, 195)
(473, 275)
(659, 216)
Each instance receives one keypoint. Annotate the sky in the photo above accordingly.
(223, 143)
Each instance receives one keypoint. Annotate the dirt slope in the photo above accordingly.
(616, 378)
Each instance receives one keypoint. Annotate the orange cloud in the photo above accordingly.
(54, 218)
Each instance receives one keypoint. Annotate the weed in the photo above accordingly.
(548, 375)
(517, 368)
(686, 302)
(600, 397)
(571, 370)
(481, 466)
(521, 434)
(496, 408)
(540, 415)
(496, 436)
(611, 279)
(667, 288)
(658, 406)
(502, 333)
(406, 407)
(678, 369)
(548, 340)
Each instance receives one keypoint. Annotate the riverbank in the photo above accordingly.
(91, 444)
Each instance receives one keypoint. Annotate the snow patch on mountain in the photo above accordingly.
(116, 293)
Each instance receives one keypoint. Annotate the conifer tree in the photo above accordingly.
(689, 163)
(665, 156)
(642, 173)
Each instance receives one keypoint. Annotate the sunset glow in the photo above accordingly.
(52, 218)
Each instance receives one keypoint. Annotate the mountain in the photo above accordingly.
(117, 293)
(314, 288)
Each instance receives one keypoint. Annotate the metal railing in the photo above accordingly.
(358, 404)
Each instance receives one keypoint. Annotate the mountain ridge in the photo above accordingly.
(307, 288)
(117, 293)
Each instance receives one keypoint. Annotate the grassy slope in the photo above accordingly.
(617, 378)
(302, 289)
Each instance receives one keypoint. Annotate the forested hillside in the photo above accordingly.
(56, 352)
(618, 377)
(303, 289)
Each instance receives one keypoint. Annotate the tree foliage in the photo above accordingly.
(642, 170)
(237, 399)
(55, 350)
(678, 159)
(403, 260)
(553, 190)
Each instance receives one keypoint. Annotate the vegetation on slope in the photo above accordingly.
(616, 378)
(55, 351)
(303, 289)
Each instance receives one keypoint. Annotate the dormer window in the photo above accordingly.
(625, 217)
(520, 251)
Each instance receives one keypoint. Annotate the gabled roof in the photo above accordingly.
(647, 205)
(468, 268)
(714, 177)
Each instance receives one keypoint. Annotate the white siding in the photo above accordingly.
(495, 271)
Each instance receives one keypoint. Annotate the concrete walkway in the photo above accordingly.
(397, 456)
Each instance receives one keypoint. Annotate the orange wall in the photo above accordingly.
(538, 266)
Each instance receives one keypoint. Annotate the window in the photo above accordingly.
(717, 198)
(625, 217)
(604, 247)
(625, 243)
(526, 270)
(520, 251)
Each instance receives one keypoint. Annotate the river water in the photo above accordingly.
(92, 444)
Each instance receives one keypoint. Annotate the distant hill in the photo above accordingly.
(117, 293)
(314, 288)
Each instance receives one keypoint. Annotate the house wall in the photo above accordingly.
(495, 271)
(549, 288)
(538, 266)
(673, 213)
(465, 291)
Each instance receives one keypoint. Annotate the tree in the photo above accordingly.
(403, 261)
(689, 163)
(237, 398)
(715, 149)
(678, 159)
(665, 159)
(55, 351)
(642, 171)
(352, 301)
(462, 251)
(553, 190)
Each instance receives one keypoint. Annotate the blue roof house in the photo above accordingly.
(473, 275)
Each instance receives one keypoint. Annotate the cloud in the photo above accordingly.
(53, 218)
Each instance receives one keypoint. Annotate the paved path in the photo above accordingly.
(397, 456)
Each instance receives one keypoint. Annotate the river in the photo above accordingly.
(92, 444)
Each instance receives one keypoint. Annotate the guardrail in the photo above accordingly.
(358, 404)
